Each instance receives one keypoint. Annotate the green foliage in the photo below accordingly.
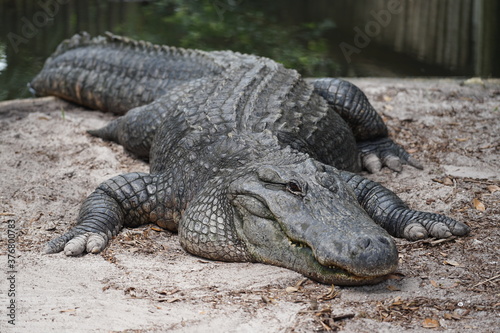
(243, 26)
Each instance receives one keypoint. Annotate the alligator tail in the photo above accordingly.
(114, 73)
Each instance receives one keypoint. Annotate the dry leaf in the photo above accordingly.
(430, 323)
(493, 188)
(445, 181)
(326, 310)
(452, 263)
(462, 139)
(156, 229)
(448, 316)
(291, 289)
(387, 98)
(331, 294)
(172, 300)
(396, 301)
(454, 285)
(393, 288)
(299, 284)
(266, 299)
(434, 283)
(478, 205)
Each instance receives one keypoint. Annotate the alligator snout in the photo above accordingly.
(372, 255)
(361, 255)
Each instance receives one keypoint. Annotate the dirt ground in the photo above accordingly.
(145, 282)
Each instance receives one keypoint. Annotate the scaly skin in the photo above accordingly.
(245, 159)
(86, 71)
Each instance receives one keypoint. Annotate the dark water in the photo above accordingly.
(31, 30)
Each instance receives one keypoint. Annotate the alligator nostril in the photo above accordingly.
(360, 246)
(384, 240)
(365, 243)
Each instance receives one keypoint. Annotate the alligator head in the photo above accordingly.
(300, 216)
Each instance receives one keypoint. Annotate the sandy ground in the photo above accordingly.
(145, 282)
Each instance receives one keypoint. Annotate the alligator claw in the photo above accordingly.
(371, 162)
(422, 225)
(74, 243)
(385, 152)
(57, 245)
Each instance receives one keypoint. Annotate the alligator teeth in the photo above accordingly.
(294, 244)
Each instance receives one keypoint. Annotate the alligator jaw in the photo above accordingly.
(331, 274)
(267, 243)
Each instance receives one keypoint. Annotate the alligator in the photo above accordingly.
(249, 162)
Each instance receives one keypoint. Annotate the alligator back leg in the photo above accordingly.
(116, 74)
(390, 212)
(127, 200)
(371, 133)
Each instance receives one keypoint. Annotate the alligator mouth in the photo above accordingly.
(330, 274)
(298, 256)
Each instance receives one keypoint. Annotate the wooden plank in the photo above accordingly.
(441, 32)
(416, 24)
(429, 35)
(452, 36)
(423, 42)
(399, 27)
(465, 42)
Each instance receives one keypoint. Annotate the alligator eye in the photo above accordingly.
(295, 188)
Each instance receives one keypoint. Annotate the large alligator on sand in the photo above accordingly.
(249, 162)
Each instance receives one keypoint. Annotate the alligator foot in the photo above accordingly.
(76, 242)
(390, 212)
(99, 220)
(377, 149)
(419, 225)
(126, 200)
(385, 152)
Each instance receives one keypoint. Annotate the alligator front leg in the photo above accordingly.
(126, 200)
(370, 131)
(136, 130)
(390, 212)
